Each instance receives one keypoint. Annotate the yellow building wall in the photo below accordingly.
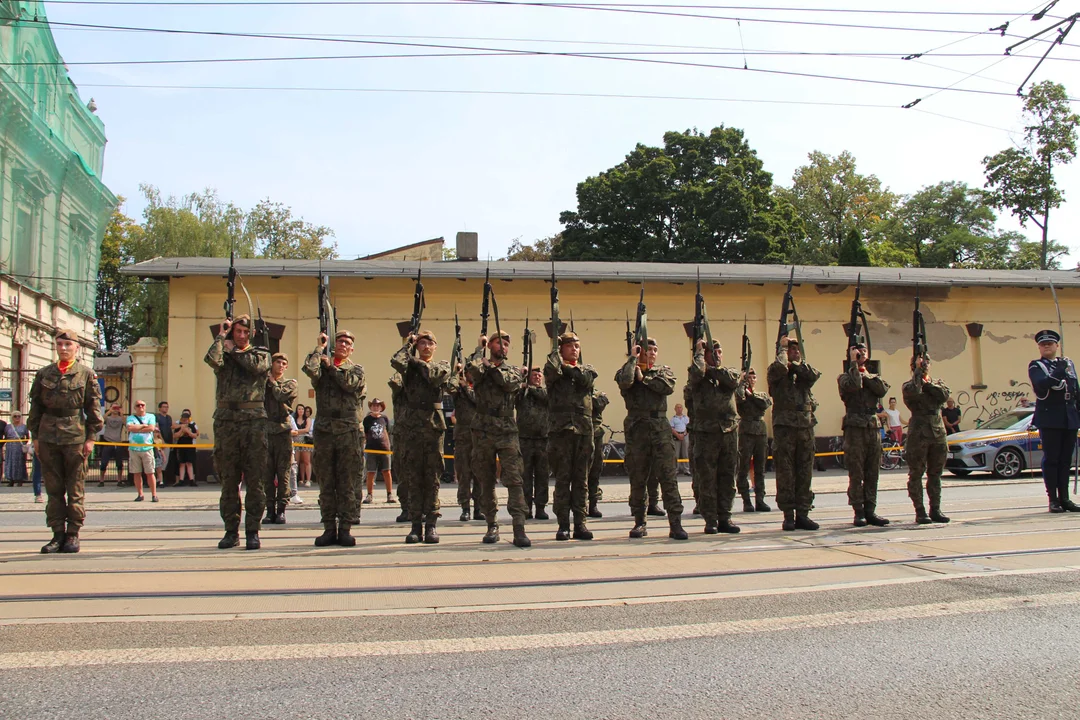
(371, 308)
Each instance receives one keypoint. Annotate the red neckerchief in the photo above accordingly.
(64, 367)
(337, 361)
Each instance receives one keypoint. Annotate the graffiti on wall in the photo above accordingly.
(980, 406)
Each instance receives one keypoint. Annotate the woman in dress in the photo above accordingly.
(15, 452)
(185, 432)
(303, 454)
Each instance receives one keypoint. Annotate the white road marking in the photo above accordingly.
(140, 656)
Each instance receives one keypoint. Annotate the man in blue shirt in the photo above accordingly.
(141, 451)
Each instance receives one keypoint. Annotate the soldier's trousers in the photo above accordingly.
(570, 457)
(422, 464)
(652, 485)
(488, 448)
(63, 469)
(398, 477)
(279, 460)
(716, 455)
(536, 481)
(338, 462)
(1059, 446)
(925, 455)
(649, 454)
(862, 455)
(596, 467)
(240, 454)
(468, 486)
(752, 453)
(793, 453)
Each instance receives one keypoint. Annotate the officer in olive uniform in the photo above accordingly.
(791, 383)
(65, 417)
(648, 436)
(753, 441)
(596, 466)
(464, 412)
(339, 394)
(860, 391)
(570, 386)
(240, 428)
(495, 435)
(926, 447)
(533, 424)
(1057, 417)
(400, 410)
(715, 455)
(281, 394)
(419, 435)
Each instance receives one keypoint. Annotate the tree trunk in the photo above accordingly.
(1046, 235)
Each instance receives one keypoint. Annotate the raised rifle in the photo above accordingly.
(629, 337)
(230, 286)
(787, 311)
(641, 331)
(527, 346)
(856, 323)
(747, 350)
(456, 355)
(919, 350)
(327, 314)
(702, 330)
(581, 355)
(556, 324)
(485, 307)
(418, 304)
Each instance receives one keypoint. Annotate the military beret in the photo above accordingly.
(651, 341)
(427, 334)
(568, 337)
(344, 333)
(535, 369)
(67, 334)
(279, 356)
(860, 343)
(1047, 336)
(242, 320)
(504, 335)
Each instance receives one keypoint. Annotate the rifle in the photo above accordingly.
(747, 350)
(261, 338)
(919, 350)
(581, 355)
(701, 322)
(786, 311)
(230, 285)
(418, 304)
(485, 307)
(527, 347)
(556, 324)
(629, 337)
(456, 355)
(858, 315)
(327, 314)
(641, 332)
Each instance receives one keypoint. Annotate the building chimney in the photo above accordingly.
(468, 246)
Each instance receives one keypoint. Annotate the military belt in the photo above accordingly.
(496, 412)
(62, 412)
(863, 411)
(798, 408)
(339, 415)
(425, 405)
(574, 409)
(699, 417)
(655, 414)
(229, 405)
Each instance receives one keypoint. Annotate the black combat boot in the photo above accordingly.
(528, 510)
(431, 536)
(747, 506)
(279, 516)
(563, 532)
(860, 516)
(711, 527)
(231, 540)
(580, 531)
(726, 526)
(789, 520)
(873, 518)
(271, 515)
(594, 512)
(403, 516)
(53, 546)
(540, 514)
(71, 542)
(655, 511)
(675, 528)
(761, 505)
(329, 536)
(521, 540)
(252, 541)
(344, 535)
(416, 534)
(464, 513)
(476, 514)
(639, 530)
(936, 516)
(803, 521)
(920, 513)
(492, 535)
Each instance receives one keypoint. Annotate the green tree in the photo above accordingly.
(833, 199)
(853, 251)
(279, 235)
(699, 198)
(1021, 179)
(115, 291)
(541, 250)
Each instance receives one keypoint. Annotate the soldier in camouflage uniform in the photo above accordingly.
(397, 402)
(281, 394)
(716, 443)
(420, 433)
(648, 436)
(926, 446)
(596, 466)
(570, 386)
(860, 391)
(464, 412)
(688, 406)
(532, 423)
(790, 384)
(494, 433)
(65, 417)
(339, 394)
(753, 441)
(240, 428)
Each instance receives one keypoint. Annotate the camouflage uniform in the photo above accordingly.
(716, 442)
(464, 412)
(596, 467)
(862, 439)
(648, 436)
(401, 411)
(240, 431)
(532, 423)
(790, 385)
(418, 435)
(339, 398)
(688, 408)
(570, 442)
(926, 447)
(753, 439)
(280, 398)
(495, 435)
(65, 412)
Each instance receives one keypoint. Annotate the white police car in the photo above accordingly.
(1004, 446)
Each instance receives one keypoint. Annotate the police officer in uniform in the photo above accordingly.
(1057, 417)
(65, 417)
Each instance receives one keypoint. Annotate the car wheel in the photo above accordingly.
(1007, 464)
(960, 473)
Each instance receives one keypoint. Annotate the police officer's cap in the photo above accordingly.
(568, 337)
(346, 334)
(279, 356)
(428, 335)
(67, 334)
(1047, 336)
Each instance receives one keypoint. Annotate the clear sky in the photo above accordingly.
(390, 151)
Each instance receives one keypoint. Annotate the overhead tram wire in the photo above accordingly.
(513, 51)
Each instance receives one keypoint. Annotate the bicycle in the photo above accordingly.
(892, 453)
(613, 450)
(836, 445)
